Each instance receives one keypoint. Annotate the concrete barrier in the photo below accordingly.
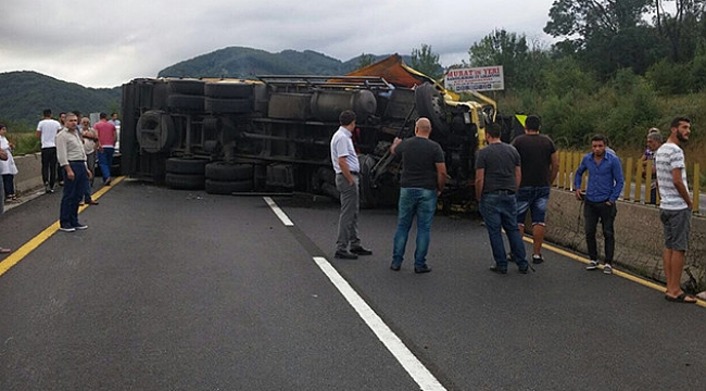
(639, 240)
(29, 173)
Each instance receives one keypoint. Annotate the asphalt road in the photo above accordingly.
(174, 290)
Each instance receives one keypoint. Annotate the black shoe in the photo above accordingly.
(423, 269)
(361, 251)
(395, 267)
(340, 254)
(496, 269)
(537, 259)
(524, 270)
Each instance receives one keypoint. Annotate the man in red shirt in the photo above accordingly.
(107, 136)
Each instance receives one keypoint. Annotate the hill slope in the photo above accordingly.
(23, 96)
(245, 62)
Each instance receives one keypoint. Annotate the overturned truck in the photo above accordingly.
(272, 134)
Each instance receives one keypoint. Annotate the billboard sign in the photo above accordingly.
(475, 79)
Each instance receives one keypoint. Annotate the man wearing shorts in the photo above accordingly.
(540, 165)
(675, 207)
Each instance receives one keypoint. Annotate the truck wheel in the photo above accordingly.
(221, 171)
(430, 104)
(228, 90)
(176, 165)
(155, 131)
(228, 187)
(183, 102)
(235, 106)
(184, 181)
(186, 87)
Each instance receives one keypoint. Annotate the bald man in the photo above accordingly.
(423, 178)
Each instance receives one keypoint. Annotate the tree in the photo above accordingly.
(684, 29)
(521, 64)
(427, 62)
(365, 59)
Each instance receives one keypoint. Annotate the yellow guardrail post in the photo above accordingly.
(561, 178)
(638, 184)
(628, 180)
(697, 188)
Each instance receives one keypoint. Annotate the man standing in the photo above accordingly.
(604, 186)
(47, 129)
(72, 159)
(345, 163)
(114, 120)
(654, 141)
(498, 176)
(423, 178)
(107, 136)
(540, 166)
(675, 207)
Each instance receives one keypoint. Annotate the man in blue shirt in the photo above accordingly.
(604, 186)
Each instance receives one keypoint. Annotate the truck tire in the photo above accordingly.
(228, 90)
(183, 102)
(184, 181)
(233, 106)
(228, 187)
(155, 131)
(176, 165)
(221, 171)
(186, 87)
(430, 104)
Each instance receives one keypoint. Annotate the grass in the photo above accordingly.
(25, 142)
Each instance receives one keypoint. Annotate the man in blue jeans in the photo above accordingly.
(604, 186)
(540, 166)
(423, 178)
(498, 176)
(72, 158)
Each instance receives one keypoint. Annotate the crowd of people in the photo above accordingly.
(70, 150)
(512, 181)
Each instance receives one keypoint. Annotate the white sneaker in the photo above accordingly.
(607, 269)
(69, 229)
(593, 265)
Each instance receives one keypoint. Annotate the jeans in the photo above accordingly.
(499, 210)
(592, 212)
(73, 193)
(348, 218)
(90, 163)
(8, 181)
(414, 202)
(49, 166)
(105, 160)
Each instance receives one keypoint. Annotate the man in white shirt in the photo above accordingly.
(46, 132)
(675, 207)
(72, 158)
(345, 162)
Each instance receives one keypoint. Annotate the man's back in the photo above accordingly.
(419, 158)
(48, 128)
(536, 153)
(106, 133)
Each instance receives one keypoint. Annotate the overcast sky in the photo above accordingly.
(106, 43)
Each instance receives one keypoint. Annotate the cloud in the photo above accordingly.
(107, 43)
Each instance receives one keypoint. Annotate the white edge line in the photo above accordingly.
(282, 216)
(392, 342)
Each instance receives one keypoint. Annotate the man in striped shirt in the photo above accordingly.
(675, 207)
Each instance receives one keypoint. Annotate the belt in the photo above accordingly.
(508, 192)
(77, 161)
(352, 173)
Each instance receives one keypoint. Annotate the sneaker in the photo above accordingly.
(67, 229)
(593, 265)
(607, 269)
(81, 227)
(537, 259)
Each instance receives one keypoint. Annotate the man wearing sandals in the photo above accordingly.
(675, 207)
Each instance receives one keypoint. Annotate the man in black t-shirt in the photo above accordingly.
(540, 166)
(497, 178)
(423, 179)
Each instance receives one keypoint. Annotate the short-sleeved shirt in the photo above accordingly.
(498, 160)
(419, 158)
(48, 128)
(536, 153)
(342, 145)
(106, 133)
(667, 158)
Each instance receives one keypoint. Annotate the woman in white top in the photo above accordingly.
(8, 169)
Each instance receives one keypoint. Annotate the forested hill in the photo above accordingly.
(24, 95)
(247, 62)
